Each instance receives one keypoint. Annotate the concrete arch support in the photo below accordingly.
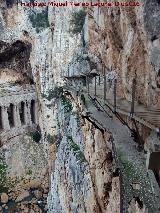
(28, 114)
(5, 121)
(17, 116)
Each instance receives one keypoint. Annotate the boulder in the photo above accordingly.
(34, 200)
(33, 184)
(38, 194)
(4, 198)
(32, 211)
(26, 210)
(6, 207)
(22, 196)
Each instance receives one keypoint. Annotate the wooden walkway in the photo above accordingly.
(149, 117)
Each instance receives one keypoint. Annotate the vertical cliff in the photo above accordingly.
(126, 39)
(82, 178)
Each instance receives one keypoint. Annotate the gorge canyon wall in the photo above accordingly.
(73, 161)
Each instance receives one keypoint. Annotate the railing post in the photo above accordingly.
(115, 91)
(95, 91)
(104, 72)
(5, 120)
(88, 85)
(133, 96)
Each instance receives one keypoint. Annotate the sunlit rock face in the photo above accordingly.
(82, 179)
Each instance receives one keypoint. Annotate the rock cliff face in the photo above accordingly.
(127, 39)
(15, 59)
(80, 156)
(82, 179)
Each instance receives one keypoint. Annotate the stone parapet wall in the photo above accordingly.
(16, 131)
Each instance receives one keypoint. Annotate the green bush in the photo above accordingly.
(2, 172)
(39, 20)
(67, 104)
(50, 139)
(36, 136)
(29, 172)
(76, 149)
(77, 21)
(56, 93)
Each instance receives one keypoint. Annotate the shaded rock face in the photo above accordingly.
(152, 27)
(15, 56)
(152, 18)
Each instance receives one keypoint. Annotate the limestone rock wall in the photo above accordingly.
(126, 39)
(23, 158)
(82, 177)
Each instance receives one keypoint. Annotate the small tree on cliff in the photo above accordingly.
(77, 21)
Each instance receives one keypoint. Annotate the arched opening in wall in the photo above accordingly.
(22, 113)
(10, 112)
(1, 124)
(32, 111)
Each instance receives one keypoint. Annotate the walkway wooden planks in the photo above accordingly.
(149, 117)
